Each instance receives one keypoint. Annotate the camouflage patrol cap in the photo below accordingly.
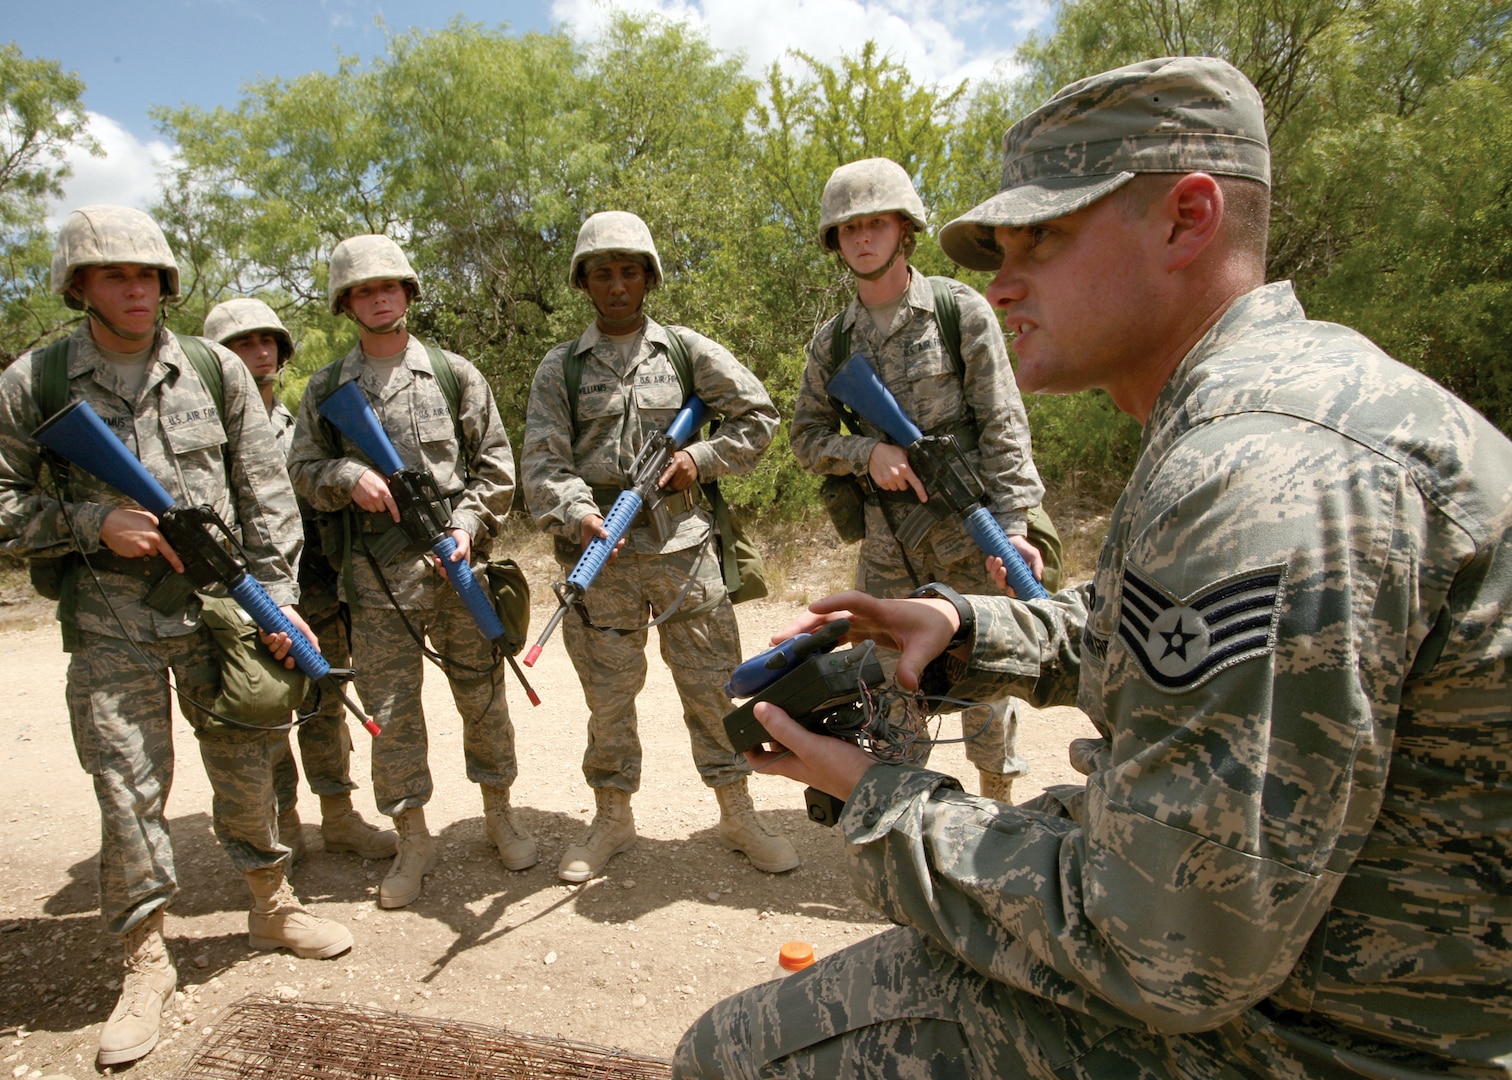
(1173, 115)
(95, 235)
(246, 315)
(616, 233)
(370, 257)
(865, 188)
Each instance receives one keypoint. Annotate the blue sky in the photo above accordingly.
(133, 56)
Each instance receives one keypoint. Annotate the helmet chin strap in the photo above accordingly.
(121, 332)
(396, 327)
(873, 275)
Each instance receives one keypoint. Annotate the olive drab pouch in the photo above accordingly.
(845, 503)
(511, 599)
(255, 689)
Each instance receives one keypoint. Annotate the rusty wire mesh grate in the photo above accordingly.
(264, 1040)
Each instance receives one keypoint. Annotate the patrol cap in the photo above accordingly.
(96, 235)
(245, 315)
(1173, 115)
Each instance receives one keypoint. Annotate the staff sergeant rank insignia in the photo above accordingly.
(1180, 644)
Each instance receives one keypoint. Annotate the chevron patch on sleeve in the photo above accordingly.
(1180, 644)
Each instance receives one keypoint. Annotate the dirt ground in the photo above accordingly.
(628, 960)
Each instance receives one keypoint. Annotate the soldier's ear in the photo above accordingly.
(1190, 215)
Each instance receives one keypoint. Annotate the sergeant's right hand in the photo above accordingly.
(371, 493)
(919, 629)
(133, 534)
(592, 528)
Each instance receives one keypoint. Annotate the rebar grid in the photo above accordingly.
(267, 1040)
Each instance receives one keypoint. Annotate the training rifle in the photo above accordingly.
(78, 435)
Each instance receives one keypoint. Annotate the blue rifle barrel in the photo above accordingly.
(79, 435)
(621, 515)
(347, 407)
(855, 384)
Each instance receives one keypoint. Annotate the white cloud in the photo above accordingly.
(129, 173)
(936, 43)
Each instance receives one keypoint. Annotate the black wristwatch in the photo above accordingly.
(939, 590)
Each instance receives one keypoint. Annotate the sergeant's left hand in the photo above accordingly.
(820, 761)
(464, 548)
(681, 473)
(280, 644)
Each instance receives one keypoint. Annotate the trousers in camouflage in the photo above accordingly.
(390, 669)
(122, 729)
(896, 1007)
(325, 741)
(700, 651)
(991, 740)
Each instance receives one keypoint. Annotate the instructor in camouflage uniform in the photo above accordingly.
(576, 460)
(129, 617)
(254, 332)
(1290, 857)
(870, 215)
(395, 588)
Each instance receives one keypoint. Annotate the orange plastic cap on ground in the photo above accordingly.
(796, 955)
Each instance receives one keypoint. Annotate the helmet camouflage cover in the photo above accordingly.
(866, 188)
(233, 318)
(96, 235)
(370, 257)
(615, 233)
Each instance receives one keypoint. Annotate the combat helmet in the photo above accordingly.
(246, 315)
(614, 232)
(95, 235)
(370, 257)
(865, 188)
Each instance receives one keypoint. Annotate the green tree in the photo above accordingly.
(41, 118)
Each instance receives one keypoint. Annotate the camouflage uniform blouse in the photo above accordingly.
(1298, 649)
(478, 477)
(622, 403)
(174, 430)
(914, 363)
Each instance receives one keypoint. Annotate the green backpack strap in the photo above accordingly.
(572, 371)
(204, 361)
(50, 378)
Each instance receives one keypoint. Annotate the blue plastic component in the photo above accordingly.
(78, 434)
(858, 386)
(255, 601)
(763, 669)
(991, 538)
(597, 553)
(347, 407)
(473, 594)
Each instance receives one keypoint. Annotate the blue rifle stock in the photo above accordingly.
(78, 435)
(952, 484)
(642, 492)
(422, 512)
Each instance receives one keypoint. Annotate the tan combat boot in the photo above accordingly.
(741, 830)
(279, 921)
(996, 786)
(517, 848)
(132, 1029)
(291, 834)
(416, 858)
(345, 833)
(612, 831)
